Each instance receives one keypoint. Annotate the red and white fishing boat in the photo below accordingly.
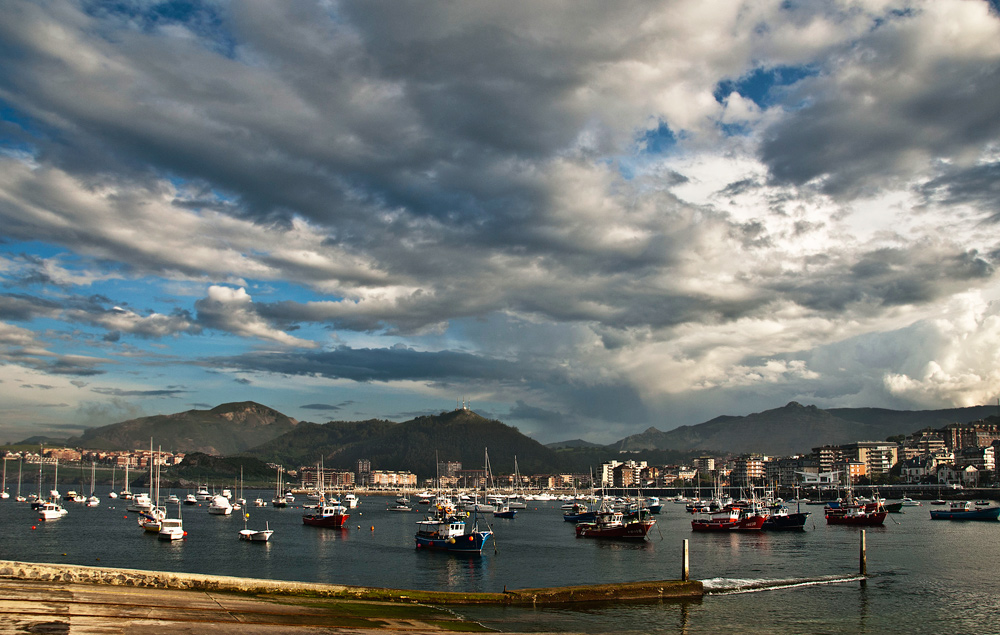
(733, 517)
(871, 514)
(616, 524)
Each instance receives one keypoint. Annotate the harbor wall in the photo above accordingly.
(79, 574)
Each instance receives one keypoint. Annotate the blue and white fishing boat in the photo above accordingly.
(446, 530)
(965, 510)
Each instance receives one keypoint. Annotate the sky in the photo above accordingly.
(582, 218)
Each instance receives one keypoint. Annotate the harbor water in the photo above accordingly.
(924, 576)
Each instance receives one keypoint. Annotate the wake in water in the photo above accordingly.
(728, 586)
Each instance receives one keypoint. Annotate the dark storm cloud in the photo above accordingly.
(387, 364)
(889, 277)
(978, 186)
(864, 124)
(118, 392)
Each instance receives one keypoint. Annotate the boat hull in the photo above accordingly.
(334, 521)
(466, 543)
(627, 531)
(871, 519)
(755, 523)
(786, 522)
(988, 513)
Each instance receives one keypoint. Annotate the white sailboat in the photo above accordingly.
(152, 520)
(112, 493)
(279, 500)
(19, 498)
(125, 493)
(92, 500)
(3, 489)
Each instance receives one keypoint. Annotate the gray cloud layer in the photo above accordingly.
(547, 202)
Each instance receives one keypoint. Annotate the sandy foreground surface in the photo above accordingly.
(56, 607)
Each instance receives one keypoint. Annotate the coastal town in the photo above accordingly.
(956, 455)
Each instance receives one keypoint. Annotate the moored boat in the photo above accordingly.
(855, 514)
(51, 511)
(171, 529)
(964, 510)
(615, 524)
(326, 514)
(732, 518)
(220, 506)
(445, 530)
(781, 519)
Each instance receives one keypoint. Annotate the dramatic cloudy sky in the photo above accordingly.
(587, 218)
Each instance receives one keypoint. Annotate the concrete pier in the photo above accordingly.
(77, 574)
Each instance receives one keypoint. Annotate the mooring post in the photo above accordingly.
(863, 556)
(685, 567)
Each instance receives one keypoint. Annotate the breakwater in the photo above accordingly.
(80, 574)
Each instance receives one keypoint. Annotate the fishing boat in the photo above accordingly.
(580, 513)
(616, 524)
(445, 530)
(327, 513)
(732, 517)
(781, 519)
(965, 510)
(350, 501)
(504, 511)
(857, 514)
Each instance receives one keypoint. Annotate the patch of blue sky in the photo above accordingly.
(734, 129)
(33, 247)
(995, 6)
(763, 85)
(204, 19)
(18, 130)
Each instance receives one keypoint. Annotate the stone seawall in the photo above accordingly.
(79, 574)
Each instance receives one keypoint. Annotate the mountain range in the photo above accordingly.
(258, 432)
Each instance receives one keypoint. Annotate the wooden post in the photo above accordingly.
(685, 567)
(863, 556)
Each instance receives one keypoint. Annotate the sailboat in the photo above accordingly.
(152, 519)
(3, 489)
(474, 505)
(279, 499)
(19, 498)
(112, 493)
(51, 509)
(516, 499)
(92, 500)
(125, 493)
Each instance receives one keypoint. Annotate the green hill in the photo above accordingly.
(230, 428)
(460, 435)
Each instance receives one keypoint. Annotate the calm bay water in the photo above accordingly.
(926, 576)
